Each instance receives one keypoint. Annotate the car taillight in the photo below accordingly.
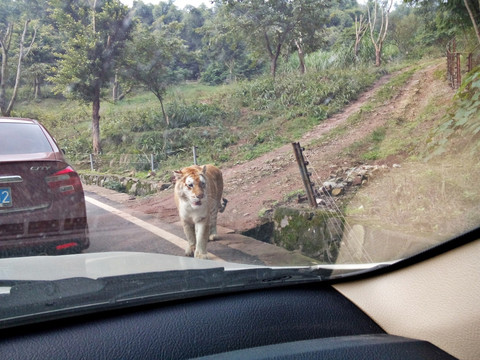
(65, 181)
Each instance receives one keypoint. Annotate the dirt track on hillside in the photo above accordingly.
(256, 185)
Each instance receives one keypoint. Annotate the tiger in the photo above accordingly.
(198, 197)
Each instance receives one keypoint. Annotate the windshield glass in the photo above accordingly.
(330, 136)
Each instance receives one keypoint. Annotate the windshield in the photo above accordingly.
(332, 137)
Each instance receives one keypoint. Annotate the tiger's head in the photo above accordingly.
(191, 184)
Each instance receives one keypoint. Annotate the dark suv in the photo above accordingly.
(42, 204)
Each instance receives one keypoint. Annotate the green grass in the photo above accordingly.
(227, 123)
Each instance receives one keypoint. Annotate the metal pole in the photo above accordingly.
(91, 162)
(194, 155)
(302, 165)
(151, 162)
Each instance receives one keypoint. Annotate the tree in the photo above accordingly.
(152, 57)
(270, 25)
(310, 20)
(6, 35)
(95, 34)
(378, 22)
(406, 27)
(225, 52)
(192, 21)
(443, 20)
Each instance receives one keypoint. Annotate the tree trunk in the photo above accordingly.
(37, 87)
(274, 59)
(472, 17)
(231, 66)
(378, 55)
(378, 42)
(4, 46)
(165, 116)
(96, 122)
(301, 56)
(115, 89)
(21, 55)
(273, 55)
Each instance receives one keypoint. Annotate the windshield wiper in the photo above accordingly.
(27, 301)
(170, 284)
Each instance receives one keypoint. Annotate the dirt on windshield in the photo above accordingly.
(256, 186)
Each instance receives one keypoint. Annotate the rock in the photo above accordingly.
(329, 185)
(337, 191)
(133, 189)
(162, 187)
(357, 180)
(321, 202)
(301, 199)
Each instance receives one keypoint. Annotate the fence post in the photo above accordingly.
(151, 162)
(91, 162)
(448, 65)
(459, 73)
(194, 155)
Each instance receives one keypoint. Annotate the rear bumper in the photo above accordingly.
(59, 242)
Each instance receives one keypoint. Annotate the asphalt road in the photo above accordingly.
(115, 227)
(112, 230)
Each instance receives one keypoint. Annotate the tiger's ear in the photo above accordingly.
(178, 174)
(204, 169)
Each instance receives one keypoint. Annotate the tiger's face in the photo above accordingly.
(191, 183)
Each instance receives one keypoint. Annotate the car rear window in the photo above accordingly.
(22, 139)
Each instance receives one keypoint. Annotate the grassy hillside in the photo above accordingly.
(415, 120)
(227, 124)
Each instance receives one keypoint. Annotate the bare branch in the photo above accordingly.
(21, 56)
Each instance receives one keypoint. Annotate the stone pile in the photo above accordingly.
(344, 181)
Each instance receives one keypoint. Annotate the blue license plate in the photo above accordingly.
(5, 197)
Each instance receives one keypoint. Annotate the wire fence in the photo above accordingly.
(120, 162)
(459, 63)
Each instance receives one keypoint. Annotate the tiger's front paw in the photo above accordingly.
(189, 251)
(199, 255)
(213, 237)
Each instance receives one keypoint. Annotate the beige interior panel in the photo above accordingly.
(437, 300)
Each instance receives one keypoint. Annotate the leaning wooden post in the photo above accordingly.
(302, 165)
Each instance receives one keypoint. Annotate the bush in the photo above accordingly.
(115, 185)
(215, 74)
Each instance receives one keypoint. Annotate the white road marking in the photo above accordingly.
(172, 238)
